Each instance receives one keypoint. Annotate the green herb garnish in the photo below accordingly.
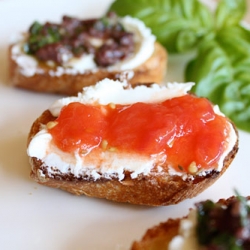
(39, 36)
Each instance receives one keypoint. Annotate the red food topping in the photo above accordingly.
(185, 128)
(79, 127)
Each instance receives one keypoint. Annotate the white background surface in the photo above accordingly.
(38, 217)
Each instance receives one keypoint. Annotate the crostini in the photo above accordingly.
(65, 57)
(221, 225)
(146, 144)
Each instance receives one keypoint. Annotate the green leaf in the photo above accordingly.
(35, 28)
(221, 73)
(230, 13)
(177, 24)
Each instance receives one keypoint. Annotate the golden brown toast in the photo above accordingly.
(158, 237)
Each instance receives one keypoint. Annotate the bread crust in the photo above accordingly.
(158, 237)
(155, 189)
(152, 70)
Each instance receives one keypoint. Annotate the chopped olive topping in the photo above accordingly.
(223, 227)
(106, 38)
(40, 36)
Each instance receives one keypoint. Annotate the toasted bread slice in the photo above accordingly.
(154, 187)
(152, 70)
(147, 63)
(160, 236)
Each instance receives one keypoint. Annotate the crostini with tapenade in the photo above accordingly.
(209, 225)
(65, 57)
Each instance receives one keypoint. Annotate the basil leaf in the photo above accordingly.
(177, 24)
(35, 28)
(221, 73)
(230, 12)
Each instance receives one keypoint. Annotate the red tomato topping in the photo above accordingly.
(185, 128)
(79, 127)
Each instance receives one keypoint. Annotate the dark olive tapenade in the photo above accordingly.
(223, 227)
(105, 38)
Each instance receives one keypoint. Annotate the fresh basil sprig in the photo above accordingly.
(177, 24)
(221, 67)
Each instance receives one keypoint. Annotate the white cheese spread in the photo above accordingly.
(144, 44)
(107, 164)
(187, 239)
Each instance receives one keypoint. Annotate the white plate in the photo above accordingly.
(38, 217)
